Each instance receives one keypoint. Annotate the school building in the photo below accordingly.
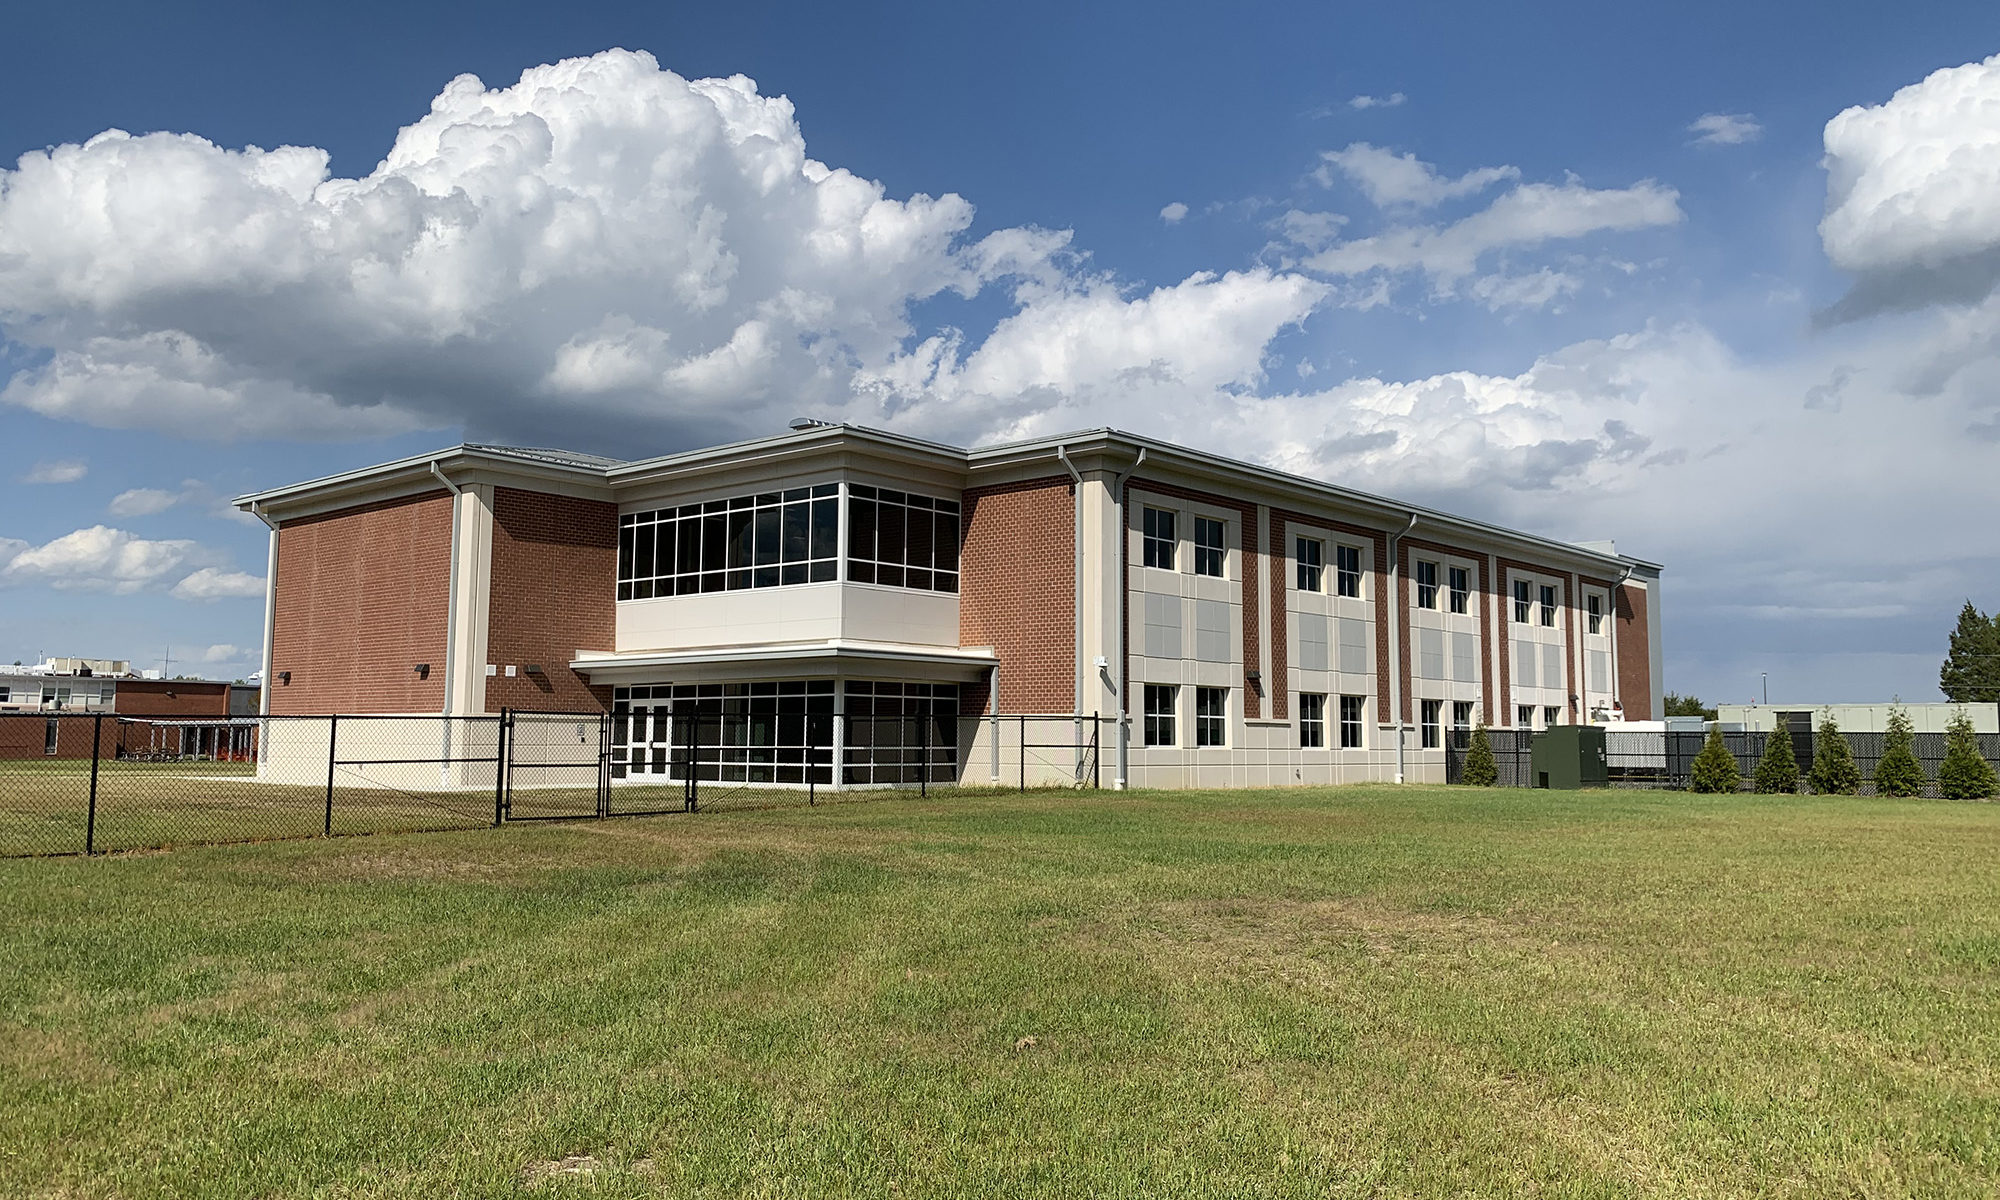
(1250, 627)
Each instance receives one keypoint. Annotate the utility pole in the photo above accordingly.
(166, 664)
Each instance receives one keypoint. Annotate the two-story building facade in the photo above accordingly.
(1248, 626)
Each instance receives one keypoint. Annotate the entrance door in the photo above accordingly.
(650, 742)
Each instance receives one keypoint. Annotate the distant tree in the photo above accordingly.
(1971, 670)
(1898, 773)
(1833, 771)
(1965, 774)
(1678, 705)
(1714, 769)
(1778, 770)
(1480, 769)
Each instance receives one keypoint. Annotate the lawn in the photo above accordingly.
(1355, 992)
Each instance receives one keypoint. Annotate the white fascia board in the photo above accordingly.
(778, 450)
(412, 476)
(781, 652)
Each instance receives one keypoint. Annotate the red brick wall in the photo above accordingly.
(361, 600)
(1635, 653)
(1253, 615)
(1017, 589)
(555, 574)
(171, 698)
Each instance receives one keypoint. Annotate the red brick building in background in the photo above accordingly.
(1238, 625)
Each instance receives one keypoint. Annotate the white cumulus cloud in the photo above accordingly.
(61, 471)
(1364, 102)
(142, 502)
(604, 241)
(1725, 129)
(1913, 192)
(102, 558)
(1524, 217)
(214, 583)
(1389, 179)
(1175, 213)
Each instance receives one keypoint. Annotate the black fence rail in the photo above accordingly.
(1665, 759)
(91, 782)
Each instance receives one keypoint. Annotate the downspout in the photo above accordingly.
(270, 637)
(1076, 602)
(1396, 615)
(270, 611)
(451, 592)
(1617, 676)
(1124, 714)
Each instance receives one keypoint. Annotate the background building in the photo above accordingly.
(1254, 627)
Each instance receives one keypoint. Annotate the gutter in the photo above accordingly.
(1076, 576)
(1396, 615)
(1124, 716)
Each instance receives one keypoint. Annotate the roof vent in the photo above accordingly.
(804, 423)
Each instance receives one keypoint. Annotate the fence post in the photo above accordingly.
(812, 768)
(332, 734)
(500, 768)
(1024, 752)
(90, 821)
(1096, 750)
(604, 765)
(924, 754)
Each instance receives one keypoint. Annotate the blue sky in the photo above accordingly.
(1578, 270)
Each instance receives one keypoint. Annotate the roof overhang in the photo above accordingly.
(836, 656)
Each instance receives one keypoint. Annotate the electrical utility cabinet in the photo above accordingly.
(1569, 757)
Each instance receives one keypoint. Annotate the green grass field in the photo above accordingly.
(1359, 992)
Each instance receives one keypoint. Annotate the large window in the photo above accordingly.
(1548, 605)
(1596, 605)
(895, 732)
(1461, 714)
(773, 732)
(1461, 588)
(1207, 547)
(1161, 540)
(1430, 723)
(1312, 720)
(1427, 585)
(1524, 716)
(1347, 570)
(1160, 701)
(769, 539)
(1211, 716)
(1551, 717)
(1311, 564)
(1351, 708)
(1523, 601)
(901, 539)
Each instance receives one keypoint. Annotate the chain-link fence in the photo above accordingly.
(1664, 759)
(81, 783)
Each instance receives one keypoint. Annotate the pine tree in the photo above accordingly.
(1898, 773)
(1778, 770)
(1971, 670)
(1714, 769)
(1833, 771)
(1965, 773)
(1480, 769)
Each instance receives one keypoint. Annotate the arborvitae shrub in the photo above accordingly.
(1898, 773)
(1965, 774)
(1714, 768)
(1833, 771)
(1480, 769)
(1778, 770)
